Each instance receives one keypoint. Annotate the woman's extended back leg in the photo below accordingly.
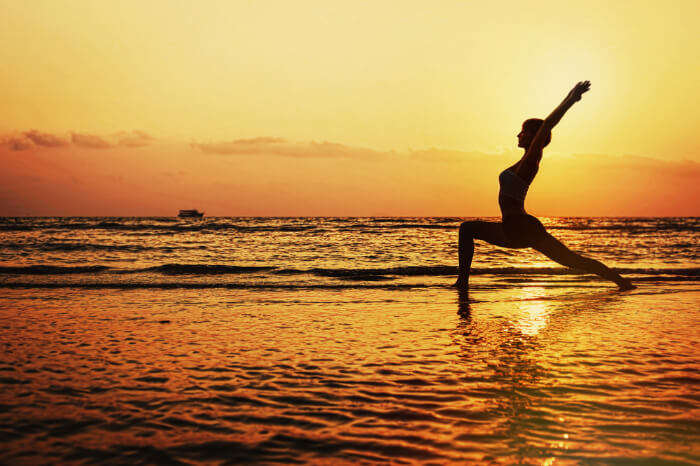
(491, 232)
(558, 252)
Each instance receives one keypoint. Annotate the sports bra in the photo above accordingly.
(512, 185)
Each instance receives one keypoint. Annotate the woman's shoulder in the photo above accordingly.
(524, 171)
(514, 167)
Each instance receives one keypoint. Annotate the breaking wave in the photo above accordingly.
(408, 271)
(688, 224)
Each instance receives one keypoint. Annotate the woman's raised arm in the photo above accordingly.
(534, 151)
(573, 97)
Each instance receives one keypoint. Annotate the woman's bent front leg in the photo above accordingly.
(491, 232)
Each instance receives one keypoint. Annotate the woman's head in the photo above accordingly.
(527, 134)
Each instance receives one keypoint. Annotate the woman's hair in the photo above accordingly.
(533, 125)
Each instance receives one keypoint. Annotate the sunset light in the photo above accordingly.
(456, 78)
(349, 232)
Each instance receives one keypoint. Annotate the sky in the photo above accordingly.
(345, 108)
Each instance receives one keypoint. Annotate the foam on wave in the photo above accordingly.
(408, 271)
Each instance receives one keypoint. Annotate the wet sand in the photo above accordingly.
(537, 373)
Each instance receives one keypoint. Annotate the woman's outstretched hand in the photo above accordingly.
(552, 120)
(578, 90)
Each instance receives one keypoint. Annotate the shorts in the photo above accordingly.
(523, 230)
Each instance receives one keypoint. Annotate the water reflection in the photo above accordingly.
(524, 375)
(518, 345)
(534, 313)
(463, 309)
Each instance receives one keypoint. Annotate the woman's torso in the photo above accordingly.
(512, 192)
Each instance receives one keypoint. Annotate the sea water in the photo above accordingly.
(340, 340)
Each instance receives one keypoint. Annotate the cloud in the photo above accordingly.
(31, 139)
(34, 139)
(134, 138)
(282, 147)
(648, 165)
(89, 141)
(323, 178)
(17, 143)
(447, 156)
(45, 139)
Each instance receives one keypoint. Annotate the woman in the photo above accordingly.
(518, 229)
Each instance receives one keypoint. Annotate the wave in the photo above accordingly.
(196, 286)
(165, 269)
(381, 226)
(362, 273)
(201, 269)
(167, 228)
(627, 228)
(78, 247)
(369, 225)
(306, 286)
(52, 269)
(442, 270)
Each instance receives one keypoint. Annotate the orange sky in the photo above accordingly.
(344, 108)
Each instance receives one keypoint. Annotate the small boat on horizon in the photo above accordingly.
(191, 213)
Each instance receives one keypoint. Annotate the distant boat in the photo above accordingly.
(190, 214)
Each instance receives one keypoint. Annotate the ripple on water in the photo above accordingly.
(484, 388)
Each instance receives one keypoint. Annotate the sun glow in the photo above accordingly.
(533, 314)
(553, 70)
(459, 77)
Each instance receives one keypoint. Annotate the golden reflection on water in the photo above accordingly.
(512, 352)
(533, 313)
(541, 347)
(526, 366)
(519, 376)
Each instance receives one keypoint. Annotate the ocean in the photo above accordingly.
(342, 341)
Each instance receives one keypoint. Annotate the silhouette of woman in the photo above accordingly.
(518, 229)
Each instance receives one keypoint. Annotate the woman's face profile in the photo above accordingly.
(524, 138)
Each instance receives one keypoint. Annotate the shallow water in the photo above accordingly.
(371, 362)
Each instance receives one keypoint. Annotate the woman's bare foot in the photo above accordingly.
(461, 284)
